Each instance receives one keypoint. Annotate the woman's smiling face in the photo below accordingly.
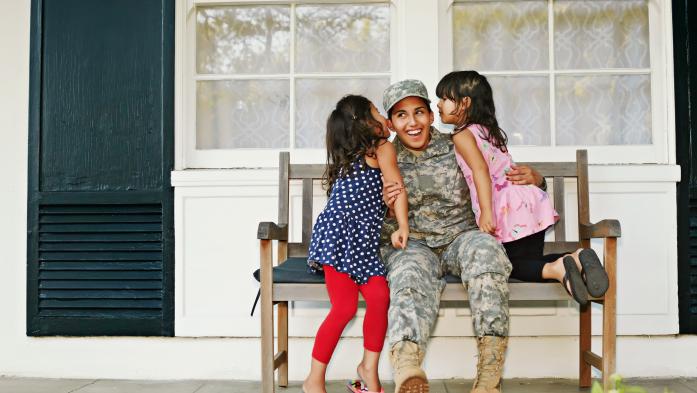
(411, 119)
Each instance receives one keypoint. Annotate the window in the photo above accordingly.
(569, 74)
(257, 77)
(264, 77)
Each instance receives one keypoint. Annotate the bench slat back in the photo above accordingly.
(307, 211)
(559, 227)
(557, 171)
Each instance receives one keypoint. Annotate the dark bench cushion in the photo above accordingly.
(294, 271)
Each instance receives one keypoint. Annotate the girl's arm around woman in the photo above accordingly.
(387, 160)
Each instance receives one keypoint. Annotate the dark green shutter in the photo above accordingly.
(685, 62)
(100, 208)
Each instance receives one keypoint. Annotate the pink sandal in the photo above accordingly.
(357, 386)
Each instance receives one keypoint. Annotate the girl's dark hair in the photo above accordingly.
(460, 84)
(352, 134)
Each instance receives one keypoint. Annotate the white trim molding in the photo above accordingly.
(629, 173)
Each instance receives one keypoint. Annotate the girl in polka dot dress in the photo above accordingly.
(346, 235)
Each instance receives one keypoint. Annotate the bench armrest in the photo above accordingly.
(270, 231)
(601, 229)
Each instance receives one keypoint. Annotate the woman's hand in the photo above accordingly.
(523, 175)
(400, 237)
(486, 223)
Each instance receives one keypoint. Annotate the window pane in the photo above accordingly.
(232, 40)
(522, 108)
(603, 110)
(318, 97)
(601, 34)
(343, 38)
(244, 113)
(501, 35)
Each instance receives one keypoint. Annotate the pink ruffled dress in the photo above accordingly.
(519, 210)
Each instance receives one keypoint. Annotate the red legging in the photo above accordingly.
(343, 294)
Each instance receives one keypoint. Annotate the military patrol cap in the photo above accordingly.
(403, 89)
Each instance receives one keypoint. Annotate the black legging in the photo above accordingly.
(526, 256)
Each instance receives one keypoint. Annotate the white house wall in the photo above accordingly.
(217, 250)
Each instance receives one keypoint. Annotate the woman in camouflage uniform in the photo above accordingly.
(444, 239)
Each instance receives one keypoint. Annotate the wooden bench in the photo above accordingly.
(288, 281)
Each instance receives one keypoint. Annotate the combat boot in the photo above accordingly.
(409, 377)
(490, 364)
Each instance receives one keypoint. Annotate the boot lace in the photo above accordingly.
(488, 369)
(407, 357)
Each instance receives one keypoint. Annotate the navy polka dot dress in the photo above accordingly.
(346, 234)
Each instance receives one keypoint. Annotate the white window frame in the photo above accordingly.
(662, 149)
(186, 154)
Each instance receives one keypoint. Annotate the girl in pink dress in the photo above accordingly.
(517, 215)
(517, 211)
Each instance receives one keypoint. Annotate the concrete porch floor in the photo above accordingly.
(39, 385)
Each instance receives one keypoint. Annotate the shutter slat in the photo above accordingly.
(101, 294)
(99, 218)
(86, 284)
(101, 314)
(99, 275)
(101, 256)
(155, 236)
(99, 209)
(100, 303)
(101, 246)
(97, 228)
(101, 266)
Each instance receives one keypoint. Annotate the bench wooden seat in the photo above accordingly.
(289, 281)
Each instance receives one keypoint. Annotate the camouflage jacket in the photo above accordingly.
(439, 200)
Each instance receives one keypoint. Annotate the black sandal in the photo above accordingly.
(593, 273)
(573, 276)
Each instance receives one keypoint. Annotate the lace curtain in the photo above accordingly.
(588, 85)
(245, 83)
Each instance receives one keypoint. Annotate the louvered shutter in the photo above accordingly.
(100, 209)
(100, 259)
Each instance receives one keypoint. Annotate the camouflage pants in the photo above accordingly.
(416, 279)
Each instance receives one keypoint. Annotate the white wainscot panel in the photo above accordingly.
(216, 253)
(647, 292)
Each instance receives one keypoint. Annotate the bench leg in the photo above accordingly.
(267, 367)
(584, 372)
(267, 353)
(609, 312)
(283, 343)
